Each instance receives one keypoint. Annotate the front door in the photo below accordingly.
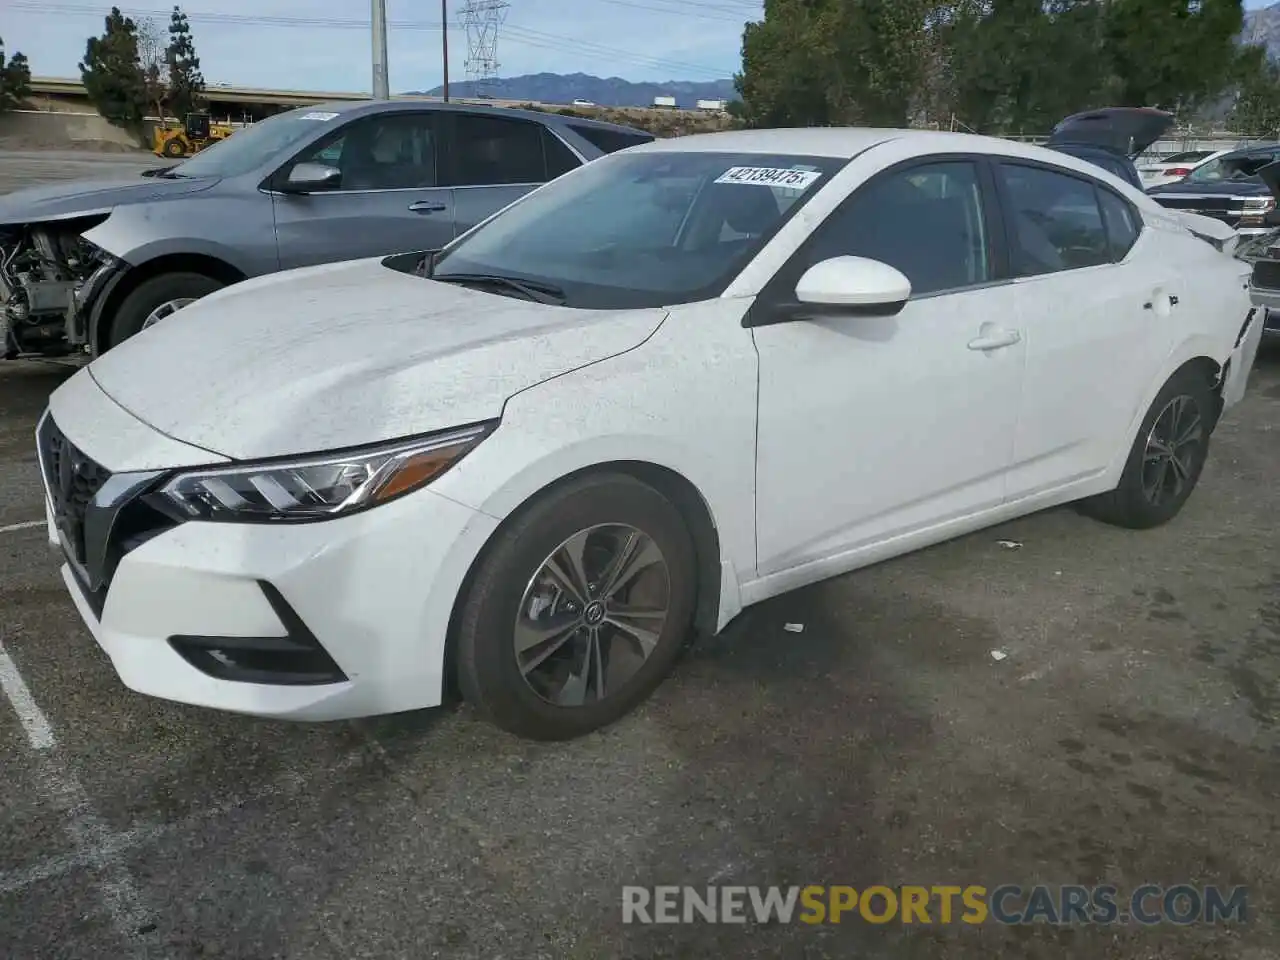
(389, 199)
(494, 161)
(873, 428)
(1096, 330)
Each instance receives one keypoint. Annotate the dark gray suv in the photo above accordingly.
(85, 265)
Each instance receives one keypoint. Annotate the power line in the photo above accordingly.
(675, 11)
(253, 20)
(523, 35)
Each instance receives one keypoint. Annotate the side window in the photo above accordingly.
(1121, 223)
(495, 150)
(389, 152)
(560, 159)
(1055, 221)
(925, 220)
(1116, 169)
(609, 141)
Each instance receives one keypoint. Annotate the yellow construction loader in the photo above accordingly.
(197, 133)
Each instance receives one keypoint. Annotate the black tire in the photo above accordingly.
(1129, 504)
(149, 295)
(488, 671)
(174, 149)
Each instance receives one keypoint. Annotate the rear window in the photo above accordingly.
(1191, 157)
(610, 141)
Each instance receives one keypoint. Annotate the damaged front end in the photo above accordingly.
(49, 278)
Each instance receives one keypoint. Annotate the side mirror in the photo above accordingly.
(308, 177)
(853, 286)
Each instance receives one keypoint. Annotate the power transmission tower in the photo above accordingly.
(482, 19)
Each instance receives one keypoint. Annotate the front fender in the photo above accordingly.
(135, 241)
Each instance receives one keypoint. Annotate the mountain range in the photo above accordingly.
(605, 91)
(1261, 27)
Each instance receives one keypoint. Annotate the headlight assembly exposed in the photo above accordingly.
(319, 487)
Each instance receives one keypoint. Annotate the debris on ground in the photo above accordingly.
(794, 627)
(998, 655)
(1010, 544)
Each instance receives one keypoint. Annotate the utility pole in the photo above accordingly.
(380, 89)
(444, 44)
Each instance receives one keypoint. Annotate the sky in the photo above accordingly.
(325, 44)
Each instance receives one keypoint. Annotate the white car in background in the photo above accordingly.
(669, 385)
(1175, 166)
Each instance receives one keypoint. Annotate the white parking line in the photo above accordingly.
(26, 525)
(62, 789)
(34, 723)
(113, 847)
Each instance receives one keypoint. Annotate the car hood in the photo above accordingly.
(1130, 130)
(60, 200)
(348, 354)
(1223, 188)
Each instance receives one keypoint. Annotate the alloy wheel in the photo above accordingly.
(592, 614)
(1170, 455)
(165, 309)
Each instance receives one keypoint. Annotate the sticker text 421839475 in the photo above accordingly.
(769, 177)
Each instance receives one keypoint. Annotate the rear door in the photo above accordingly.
(491, 161)
(390, 199)
(1092, 318)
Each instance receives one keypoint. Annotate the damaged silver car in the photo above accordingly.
(84, 266)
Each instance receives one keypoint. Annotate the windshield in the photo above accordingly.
(250, 148)
(642, 229)
(1226, 169)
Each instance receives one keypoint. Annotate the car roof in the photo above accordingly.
(369, 107)
(1251, 150)
(845, 143)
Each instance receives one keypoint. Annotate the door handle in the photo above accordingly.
(994, 341)
(426, 206)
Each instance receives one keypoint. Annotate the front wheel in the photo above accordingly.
(1166, 459)
(155, 299)
(579, 609)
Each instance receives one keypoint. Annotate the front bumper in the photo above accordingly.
(311, 621)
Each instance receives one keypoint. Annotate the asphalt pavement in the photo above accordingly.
(1127, 733)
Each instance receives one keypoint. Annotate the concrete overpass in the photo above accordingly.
(227, 99)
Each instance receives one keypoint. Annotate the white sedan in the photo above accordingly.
(676, 382)
(1175, 167)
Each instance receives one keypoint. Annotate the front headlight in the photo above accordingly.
(316, 488)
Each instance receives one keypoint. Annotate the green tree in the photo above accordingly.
(786, 67)
(1175, 54)
(1019, 66)
(815, 62)
(186, 84)
(1256, 112)
(15, 80)
(112, 73)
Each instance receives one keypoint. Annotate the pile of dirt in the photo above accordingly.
(25, 143)
(40, 130)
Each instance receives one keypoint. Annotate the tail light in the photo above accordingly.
(1177, 172)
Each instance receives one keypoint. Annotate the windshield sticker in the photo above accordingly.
(769, 177)
(318, 115)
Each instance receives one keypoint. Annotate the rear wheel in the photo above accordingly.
(174, 149)
(1166, 459)
(579, 609)
(156, 299)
